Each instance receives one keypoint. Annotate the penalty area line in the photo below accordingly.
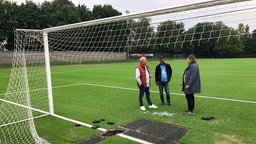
(102, 129)
(67, 119)
(133, 89)
(199, 96)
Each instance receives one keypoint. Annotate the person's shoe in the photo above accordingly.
(185, 111)
(142, 108)
(190, 113)
(163, 103)
(169, 104)
(152, 106)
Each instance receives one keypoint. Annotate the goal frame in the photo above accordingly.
(117, 18)
(101, 21)
(122, 17)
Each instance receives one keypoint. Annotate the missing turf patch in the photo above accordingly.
(102, 136)
(155, 132)
(226, 139)
(147, 130)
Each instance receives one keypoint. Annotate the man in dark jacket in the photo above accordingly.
(163, 75)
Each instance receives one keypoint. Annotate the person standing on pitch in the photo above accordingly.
(143, 81)
(163, 75)
(191, 83)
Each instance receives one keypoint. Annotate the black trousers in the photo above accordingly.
(191, 102)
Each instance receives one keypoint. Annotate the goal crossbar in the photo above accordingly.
(160, 31)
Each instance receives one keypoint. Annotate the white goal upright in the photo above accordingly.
(172, 30)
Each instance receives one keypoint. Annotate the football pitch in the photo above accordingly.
(109, 91)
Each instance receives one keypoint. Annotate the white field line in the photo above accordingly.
(205, 97)
(23, 120)
(24, 106)
(42, 89)
(203, 73)
(102, 129)
(68, 119)
(115, 87)
(71, 71)
(133, 89)
(230, 74)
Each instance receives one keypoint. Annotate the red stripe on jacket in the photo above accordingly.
(143, 75)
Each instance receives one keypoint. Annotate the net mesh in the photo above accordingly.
(26, 89)
(171, 30)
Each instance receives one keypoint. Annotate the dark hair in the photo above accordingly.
(161, 57)
(192, 57)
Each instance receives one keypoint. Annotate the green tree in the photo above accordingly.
(228, 45)
(169, 37)
(104, 11)
(213, 39)
(250, 43)
(8, 21)
(201, 39)
(141, 33)
(28, 16)
(64, 12)
(247, 38)
(47, 11)
(84, 13)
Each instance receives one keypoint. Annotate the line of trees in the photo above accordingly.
(206, 39)
(30, 15)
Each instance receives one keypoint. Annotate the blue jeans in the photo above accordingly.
(141, 94)
(164, 85)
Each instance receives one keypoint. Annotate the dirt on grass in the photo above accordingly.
(226, 139)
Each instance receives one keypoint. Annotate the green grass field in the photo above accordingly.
(95, 91)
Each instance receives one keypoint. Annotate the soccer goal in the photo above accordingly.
(172, 30)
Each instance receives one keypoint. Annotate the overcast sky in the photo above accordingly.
(134, 6)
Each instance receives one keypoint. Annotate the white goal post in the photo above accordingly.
(173, 30)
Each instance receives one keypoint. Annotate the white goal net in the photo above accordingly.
(27, 96)
(171, 30)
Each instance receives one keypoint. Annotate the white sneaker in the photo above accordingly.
(142, 108)
(153, 106)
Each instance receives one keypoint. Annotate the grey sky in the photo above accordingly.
(130, 5)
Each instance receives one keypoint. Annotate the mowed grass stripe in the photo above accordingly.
(125, 104)
(234, 121)
(134, 89)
